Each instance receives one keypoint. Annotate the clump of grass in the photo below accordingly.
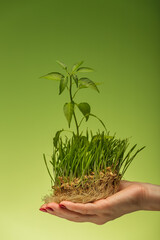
(78, 162)
(86, 166)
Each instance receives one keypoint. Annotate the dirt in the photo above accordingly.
(92, 188)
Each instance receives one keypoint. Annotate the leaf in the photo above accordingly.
(63, 84)
(87, 83)
(53, 76)
(68, 111)
(83, 86)
(76, 66)
(98, 83)
(75, 79)
(85, 109)
(63, 65)
(56, 138)
(85, 69)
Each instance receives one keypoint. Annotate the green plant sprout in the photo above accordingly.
(84, 160)
(66, 82)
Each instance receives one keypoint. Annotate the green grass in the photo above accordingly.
(80, 155)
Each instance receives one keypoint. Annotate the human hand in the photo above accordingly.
(132, 196)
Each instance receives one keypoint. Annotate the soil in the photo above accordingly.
(92, 188)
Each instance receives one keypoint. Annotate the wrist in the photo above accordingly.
(149, 197)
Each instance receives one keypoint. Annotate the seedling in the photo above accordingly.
(86, 166)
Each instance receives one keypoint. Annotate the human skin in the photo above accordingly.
(131, 197)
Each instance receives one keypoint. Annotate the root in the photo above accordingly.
(90, 190)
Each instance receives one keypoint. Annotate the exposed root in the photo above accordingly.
(89, 190)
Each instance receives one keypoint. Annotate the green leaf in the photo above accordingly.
(56, 138)
(76, 66)
(87, 83)
(85, 69)
(63, 65)
(85, 109)
(68, 111)
(47, 167)
(63, 84)
(83, 86)
(75, 79)
(98, 83)
(53, 76)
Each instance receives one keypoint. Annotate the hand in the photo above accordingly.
(132, 196)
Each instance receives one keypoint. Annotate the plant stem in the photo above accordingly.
(75, 93)
(70, 89)
(81, 121)
(71, 98)
(76, 123)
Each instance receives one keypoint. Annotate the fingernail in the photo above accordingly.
(49, 208)
(62, 206)
(43, 209)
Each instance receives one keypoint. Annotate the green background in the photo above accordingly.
(120, 40)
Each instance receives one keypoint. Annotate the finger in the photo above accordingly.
(77, 217)
(54, 209)
(69, 215)
(62, 211)
(43, 208)
(83, 208)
